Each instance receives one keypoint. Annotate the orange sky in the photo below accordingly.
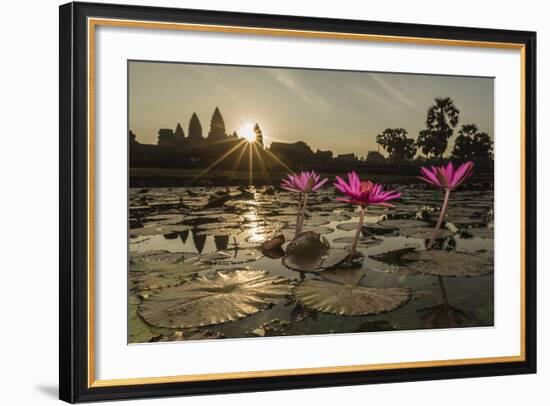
(338, 110)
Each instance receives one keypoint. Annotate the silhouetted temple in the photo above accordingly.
(176, 150)
(227, 151)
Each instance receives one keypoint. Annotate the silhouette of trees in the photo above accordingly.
(323, 156)
(441, 120)
(397, 144)
(472, 145)
(195, 130)
(217, 127)
(259, 136)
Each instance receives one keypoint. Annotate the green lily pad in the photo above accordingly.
(463, 221)
(339, 293)
(445, 263)
(481, 232)
(160, 270)
(316, 263)
(403, 223)
(347, 226)
(309, 253)
(333, 216)
(425, 233)
(365, 242)
(138, 330)
(161, 219)
(222, 297)
(219, 224)
(226, 258)
(219, 231)
(147, 231)
(188, 335)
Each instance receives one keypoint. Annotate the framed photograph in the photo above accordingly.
(257, 202)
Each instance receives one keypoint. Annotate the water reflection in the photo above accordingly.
(240, 225)
(443, 315)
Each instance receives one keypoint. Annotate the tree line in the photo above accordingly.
(442, 119)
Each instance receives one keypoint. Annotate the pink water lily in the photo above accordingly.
(303, 183)
(363, 194)
(447, 178)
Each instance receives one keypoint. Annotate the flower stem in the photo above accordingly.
(301, 216)
(440, 219)
(298, 216)
(357, 234)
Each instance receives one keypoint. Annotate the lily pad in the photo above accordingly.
(333, 216)
(319, 230)
(219, 231)
(138, 331)
(160, 219)
(318, 262)
(192, 334)
(160, 261)
(377, 229)
(226, 258)
(212, 213)
(339, 293)
(176, 228)
(223, 297)
(394, 256)
(220, 224)
(480, 232)
(285, 219)
(230, 217)
(403, 223)
(424, 233)
(308, 252)
(347, 226)
(463, 221)
(445, 263)
(274, 243)
(365, 242)
(290, 232)
(160, 270)
(147, 231)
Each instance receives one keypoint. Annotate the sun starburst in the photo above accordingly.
(247, 132)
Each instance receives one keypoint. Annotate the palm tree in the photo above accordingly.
(442, 118)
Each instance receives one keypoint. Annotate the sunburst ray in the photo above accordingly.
(276, 158)
(263, 168)
(225, 155)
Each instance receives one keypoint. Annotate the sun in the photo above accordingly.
(247, 132)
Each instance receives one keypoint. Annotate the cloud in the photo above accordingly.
(308, 96)
(396, 93)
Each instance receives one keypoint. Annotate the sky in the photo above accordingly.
(342, 111)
